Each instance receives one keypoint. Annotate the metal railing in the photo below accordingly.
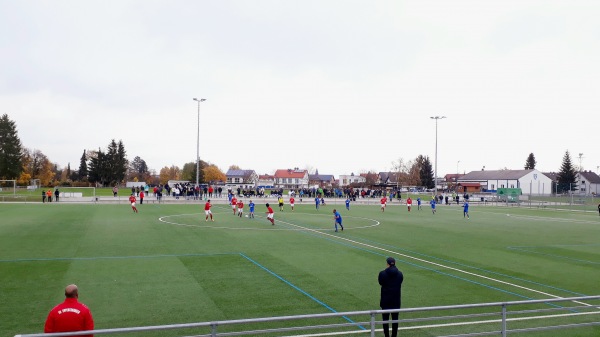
(484, 319)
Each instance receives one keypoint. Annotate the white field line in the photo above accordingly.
(449, 324)
(432, 263)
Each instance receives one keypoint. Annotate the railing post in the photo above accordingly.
(504, 333)
(213, 329)
(372, 324)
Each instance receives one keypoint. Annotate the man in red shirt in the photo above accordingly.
(270, 214)
(292, 200)
(409, 203)
(383, 203)
(132, 201)
(71, 315)
(207, 210)
(142, 197)
(233, 204)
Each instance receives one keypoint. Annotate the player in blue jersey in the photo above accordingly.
(338, 220)
(251, 207)
(466, 210)
(348, 203)
(317, 202)
(419, 203)
(432, 203)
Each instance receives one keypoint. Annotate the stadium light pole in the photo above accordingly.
(198, 143)
(456, 180)
(436, 151)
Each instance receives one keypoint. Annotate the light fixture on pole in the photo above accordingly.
(436, 149)
(198, 143)
(456, 180)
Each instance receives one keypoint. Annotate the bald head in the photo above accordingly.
(71, 291)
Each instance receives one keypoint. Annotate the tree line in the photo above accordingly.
(96, 167)
(111, 167)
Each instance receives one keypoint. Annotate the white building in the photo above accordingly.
(345, 180)
(241, 178)
(531, 182)
(588, 183)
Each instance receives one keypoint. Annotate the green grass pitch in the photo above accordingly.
(166, 265)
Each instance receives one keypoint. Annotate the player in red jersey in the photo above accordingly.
(409, 203)
(132, 201)
(270, 214)
(233, 204)
(207, 211)
(383, 203)
(292, 200)
(240, 207)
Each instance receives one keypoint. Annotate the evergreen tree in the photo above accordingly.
(10, 149)
(83, 168)
(112, 159)
(99, 168)
(425, 172)
(567, 177)
(530, 162)
(122, 163)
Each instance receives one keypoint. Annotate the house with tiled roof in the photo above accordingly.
(451, 180)
(291, 178)
(266, 181)
(389, 179)
(529, 181)
(588, 183)
(241, 178)
(321, 180)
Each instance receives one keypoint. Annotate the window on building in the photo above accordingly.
(237, 180)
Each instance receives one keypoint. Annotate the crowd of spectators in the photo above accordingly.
(191, 191)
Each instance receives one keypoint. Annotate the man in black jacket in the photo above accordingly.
(390, 280)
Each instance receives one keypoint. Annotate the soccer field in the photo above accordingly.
(166, 265)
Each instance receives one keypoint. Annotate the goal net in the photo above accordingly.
(8, 187)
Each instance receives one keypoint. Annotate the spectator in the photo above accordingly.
(390, 279)
(71, 315)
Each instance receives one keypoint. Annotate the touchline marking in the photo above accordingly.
(451, 324)
(436, 264)
(481, 269)
(297, 288)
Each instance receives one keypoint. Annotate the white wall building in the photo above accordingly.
(345, 179)
(531, 182)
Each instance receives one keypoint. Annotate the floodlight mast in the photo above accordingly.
(198, 143)
(436, 150)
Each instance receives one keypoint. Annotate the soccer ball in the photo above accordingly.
(246, 215)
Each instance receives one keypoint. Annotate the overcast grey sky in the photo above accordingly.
(342, 86)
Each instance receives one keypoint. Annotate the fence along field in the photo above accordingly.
(247, 269)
